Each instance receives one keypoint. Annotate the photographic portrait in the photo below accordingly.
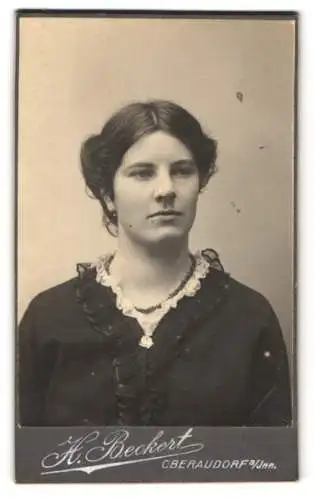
(155, 222)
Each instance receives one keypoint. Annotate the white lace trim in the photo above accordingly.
(150, 321)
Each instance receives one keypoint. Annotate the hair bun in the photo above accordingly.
(91, 164)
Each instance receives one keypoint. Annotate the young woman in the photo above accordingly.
(151, 334)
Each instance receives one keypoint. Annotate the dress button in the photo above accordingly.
(267, 354)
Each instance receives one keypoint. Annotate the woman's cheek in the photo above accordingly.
(128, 194)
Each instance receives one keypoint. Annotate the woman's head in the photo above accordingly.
(137, 134)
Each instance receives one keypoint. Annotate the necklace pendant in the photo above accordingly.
(146, 342)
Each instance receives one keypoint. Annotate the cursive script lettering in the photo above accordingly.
(94, 451)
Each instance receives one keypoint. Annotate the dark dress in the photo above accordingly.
(218, 359)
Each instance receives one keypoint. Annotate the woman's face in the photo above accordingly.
(156, 189)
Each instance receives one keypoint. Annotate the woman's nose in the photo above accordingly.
(164, 186)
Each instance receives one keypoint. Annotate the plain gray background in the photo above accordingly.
(73, 73)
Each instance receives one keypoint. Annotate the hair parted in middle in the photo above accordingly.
(102, 154)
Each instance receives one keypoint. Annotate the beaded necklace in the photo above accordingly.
(148, 310)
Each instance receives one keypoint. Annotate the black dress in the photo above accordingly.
(218, 359)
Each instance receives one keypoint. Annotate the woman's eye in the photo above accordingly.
(184, 171)
(142, 174)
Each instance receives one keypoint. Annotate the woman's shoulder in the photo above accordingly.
(248, 294)
(239, 294)
(62, 294)
(56, 292)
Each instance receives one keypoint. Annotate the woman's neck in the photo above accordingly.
(154, 271)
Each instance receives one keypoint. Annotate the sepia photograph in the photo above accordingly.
(155, 240)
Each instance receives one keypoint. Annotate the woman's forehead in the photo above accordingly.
(158, 146)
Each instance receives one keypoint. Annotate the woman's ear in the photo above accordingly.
(109, 202)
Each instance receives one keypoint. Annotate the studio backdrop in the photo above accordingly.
(235, 76)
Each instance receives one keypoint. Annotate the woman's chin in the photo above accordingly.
(165, 234)
(159, 234)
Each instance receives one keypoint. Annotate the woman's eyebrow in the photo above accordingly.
(146, 164)
(183, 161)
(140, 164)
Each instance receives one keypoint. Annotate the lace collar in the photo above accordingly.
(123, 332)
(202, 267)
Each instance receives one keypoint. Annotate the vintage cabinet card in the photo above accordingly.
(155, 244)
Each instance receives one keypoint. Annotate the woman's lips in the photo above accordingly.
(165, 214)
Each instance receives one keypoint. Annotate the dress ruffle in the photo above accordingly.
(140, 375)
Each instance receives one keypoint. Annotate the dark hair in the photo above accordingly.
(102, 154)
